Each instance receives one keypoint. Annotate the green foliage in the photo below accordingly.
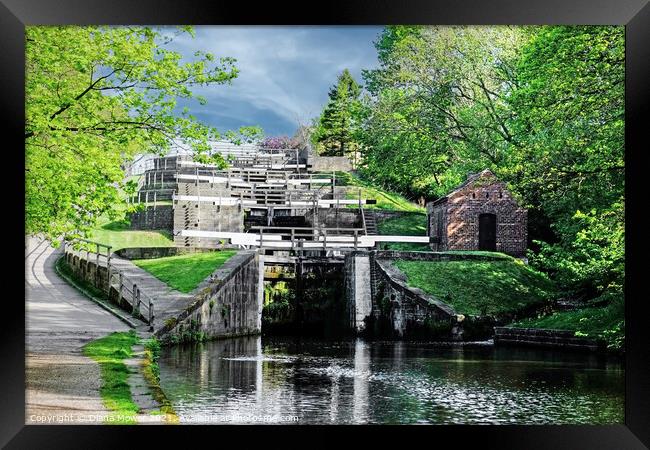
(436, 105)
(333, 132)
(277, 302)
(96, 96)
(569, 114)
(480, 288)
(541, 106)
(185, 272)
(110, 352)
(606, 322)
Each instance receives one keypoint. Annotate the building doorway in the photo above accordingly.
(487, 232)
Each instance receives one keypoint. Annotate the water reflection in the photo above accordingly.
(250, 380)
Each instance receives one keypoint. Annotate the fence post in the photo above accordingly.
(134, 293)
(119, 290)
(356, 237)
(261, 236)
(150, 315)
(137, 304)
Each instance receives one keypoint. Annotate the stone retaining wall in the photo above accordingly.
(88, 271)
(228, 304)
(407, 307)
(163, 252)
(544, 338)
(158, 218)
(330, 163)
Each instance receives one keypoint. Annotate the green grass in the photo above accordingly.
(110, 352)
(385, 200)
(605, 322)
(406, 225)
(479, 287)
(118, 235)
(185, 272)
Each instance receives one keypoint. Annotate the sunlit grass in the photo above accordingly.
(480, 287)
(110, 353)
(385, 200)
(407, 225)
(185, 272)
(604, 322)
(118, 234)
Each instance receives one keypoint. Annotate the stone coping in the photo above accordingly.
(398, 279)
(546, 338)
(210, 286)
(132, 253)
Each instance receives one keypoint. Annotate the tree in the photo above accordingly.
(437, 105)
(334, 130)
(568, 114)
(94, 97)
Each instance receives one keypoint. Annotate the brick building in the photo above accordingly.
(480, 214)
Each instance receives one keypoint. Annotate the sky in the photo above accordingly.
(284, 76)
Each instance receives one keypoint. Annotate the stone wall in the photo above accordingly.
(544, 338)
(407, 308)
(333, 217)
(376, 291)
(89, 271)
(158, 218)
(228, 304)
(330, 163)
(162, 252)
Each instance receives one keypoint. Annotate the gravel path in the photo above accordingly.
(62, 384)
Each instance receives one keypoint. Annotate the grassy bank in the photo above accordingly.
(110, 353)
(605, 322)
(185, 272)
(151, 373)
(480, 288)
(118, 235)
(406, 225)
(385, 199)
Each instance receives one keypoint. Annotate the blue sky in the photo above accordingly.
(285, 72)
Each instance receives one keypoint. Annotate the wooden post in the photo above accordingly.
(134, 299)
(151, 316)
(137, 304)
(119, 290)
(261, 237)
(356, 238)
(293, 237)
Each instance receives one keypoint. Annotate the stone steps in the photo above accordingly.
(371, 222)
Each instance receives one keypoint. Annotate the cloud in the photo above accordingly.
(285, 73)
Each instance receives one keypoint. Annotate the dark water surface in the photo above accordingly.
(260, 380)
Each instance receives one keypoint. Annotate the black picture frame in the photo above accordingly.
(634, 14)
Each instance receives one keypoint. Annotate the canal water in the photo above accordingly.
(273, 380)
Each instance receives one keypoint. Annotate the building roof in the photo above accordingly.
(470, 179)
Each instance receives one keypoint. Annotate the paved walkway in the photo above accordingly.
(61, 382)
(168, 302)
